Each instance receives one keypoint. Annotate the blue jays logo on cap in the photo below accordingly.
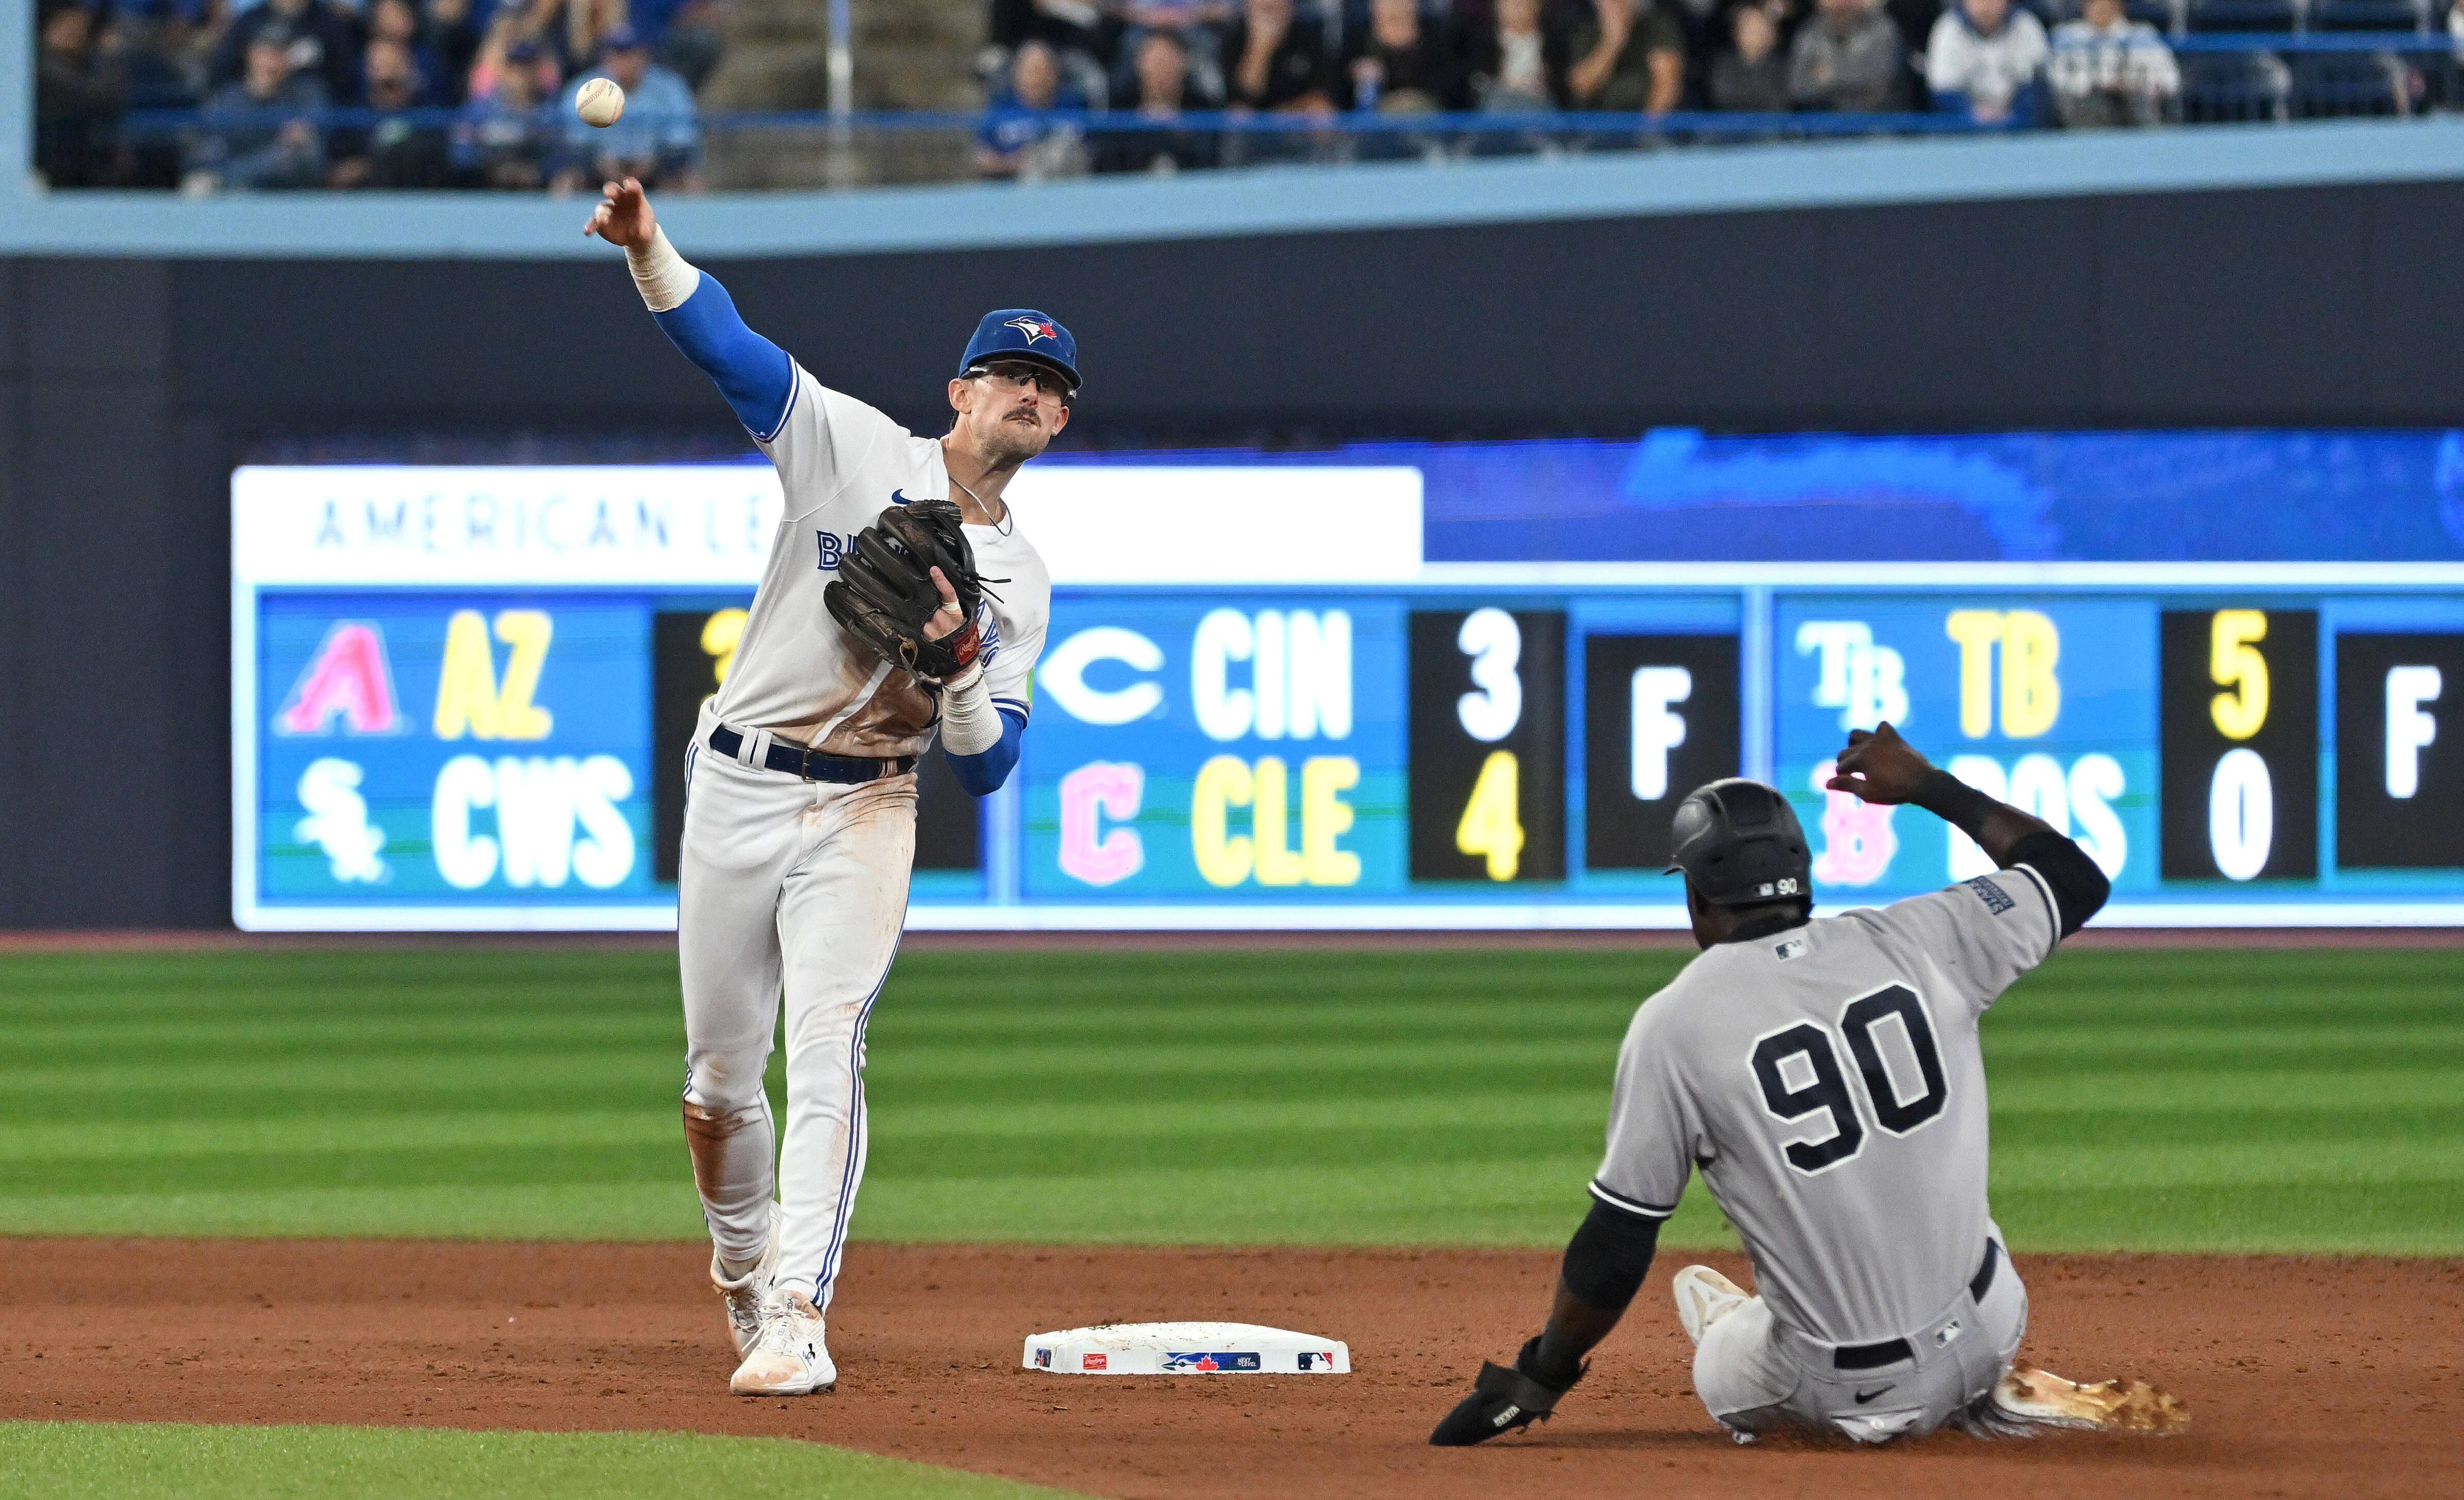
(1024, 333)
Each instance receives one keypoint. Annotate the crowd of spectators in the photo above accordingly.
(1150, 63)
(258, 94)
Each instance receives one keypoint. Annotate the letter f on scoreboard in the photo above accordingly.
(1657, 728)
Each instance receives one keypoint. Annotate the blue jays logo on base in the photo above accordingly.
(1033, 328)
(1208, 1365)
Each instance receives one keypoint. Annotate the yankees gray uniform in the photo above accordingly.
(1828, 1081)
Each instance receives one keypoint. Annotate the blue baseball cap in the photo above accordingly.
(1022, 333)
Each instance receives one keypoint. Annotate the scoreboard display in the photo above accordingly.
(462, 700)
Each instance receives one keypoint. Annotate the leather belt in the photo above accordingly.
(1891, 1351)
(811, 765)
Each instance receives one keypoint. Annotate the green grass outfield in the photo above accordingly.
(64, 1460)
(2262, 1100)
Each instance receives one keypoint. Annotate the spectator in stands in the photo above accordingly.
(573, 32)
(1024, 135)
(397, 149)
(1515, 70)
(450, 30)
(1196, 23)
(261, 131)
(1404, 64)
(1065, 25)
(156, 49)
(2109, 69)
(1751, 75)
(323, 43)
(658, 139)
(78, 94)
(1273, 64)
(1626, 54)
(692, 43)
(1165, 145)
(500, 140)
(1984, 60)
(1848, 57)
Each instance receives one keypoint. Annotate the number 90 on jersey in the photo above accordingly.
(1488, 744)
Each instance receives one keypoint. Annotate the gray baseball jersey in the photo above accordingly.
(1828, 1081)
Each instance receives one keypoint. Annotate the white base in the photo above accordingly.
(1186, 1349)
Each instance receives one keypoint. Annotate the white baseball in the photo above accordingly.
(599, 102)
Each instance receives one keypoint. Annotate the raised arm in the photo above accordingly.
(697, 313)
(1881, 768)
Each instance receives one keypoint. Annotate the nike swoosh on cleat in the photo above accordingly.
(1863, 1396)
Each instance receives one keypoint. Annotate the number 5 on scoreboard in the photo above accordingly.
(1492, 819)
(2235, 662)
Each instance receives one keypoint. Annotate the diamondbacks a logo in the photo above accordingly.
(1034, 328)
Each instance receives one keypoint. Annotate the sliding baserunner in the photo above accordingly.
(1826, 1077)
(899, 599)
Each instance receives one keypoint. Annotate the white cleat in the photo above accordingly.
(2029, 1400)
(1704, 1297)
(745, 1294)
(790, 1356)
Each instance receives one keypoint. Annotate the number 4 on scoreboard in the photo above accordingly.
(1492, 816)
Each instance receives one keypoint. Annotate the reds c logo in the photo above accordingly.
(1034, 328)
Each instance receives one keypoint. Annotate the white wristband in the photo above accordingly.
(663, 278)
(969, 724)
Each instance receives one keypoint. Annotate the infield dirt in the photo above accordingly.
(2304, 1377)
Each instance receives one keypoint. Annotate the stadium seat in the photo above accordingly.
(2332, 84)
(2245, 15)
(2236, 87)
(2369, 16)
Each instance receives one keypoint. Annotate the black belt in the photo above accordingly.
(1891, 1351)
(811, 765)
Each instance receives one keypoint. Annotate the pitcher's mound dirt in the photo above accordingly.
(2304, 1377)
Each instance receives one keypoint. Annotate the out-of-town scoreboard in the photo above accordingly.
(461, 699)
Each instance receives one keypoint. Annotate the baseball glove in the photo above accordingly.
(1502, 1400)
(884, 594)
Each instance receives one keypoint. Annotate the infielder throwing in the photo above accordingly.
(1825, 1076)
(876, 623)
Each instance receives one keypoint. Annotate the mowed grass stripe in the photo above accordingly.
(65, 1460)
(2143, 1099)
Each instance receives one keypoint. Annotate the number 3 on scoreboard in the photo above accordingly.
(1492, 817)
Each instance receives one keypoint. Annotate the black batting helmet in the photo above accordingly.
(1739, 842)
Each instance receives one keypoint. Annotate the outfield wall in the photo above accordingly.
(130, 388)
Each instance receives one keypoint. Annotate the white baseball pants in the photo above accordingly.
(801, 887)
(1755, 1375)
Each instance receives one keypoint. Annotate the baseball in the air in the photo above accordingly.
(599, 102)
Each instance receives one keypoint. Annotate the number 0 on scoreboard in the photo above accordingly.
(1488, 745)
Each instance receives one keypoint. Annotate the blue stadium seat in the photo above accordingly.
(2245, 15)
(2370, 15)
(2334, 84)
(2236, 87)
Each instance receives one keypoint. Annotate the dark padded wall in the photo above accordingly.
(128, 389)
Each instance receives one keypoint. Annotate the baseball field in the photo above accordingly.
(321, 1219)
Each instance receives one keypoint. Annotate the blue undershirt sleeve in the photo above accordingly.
(755, 375)
(983, 774)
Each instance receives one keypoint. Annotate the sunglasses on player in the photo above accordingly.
(1017, 373)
